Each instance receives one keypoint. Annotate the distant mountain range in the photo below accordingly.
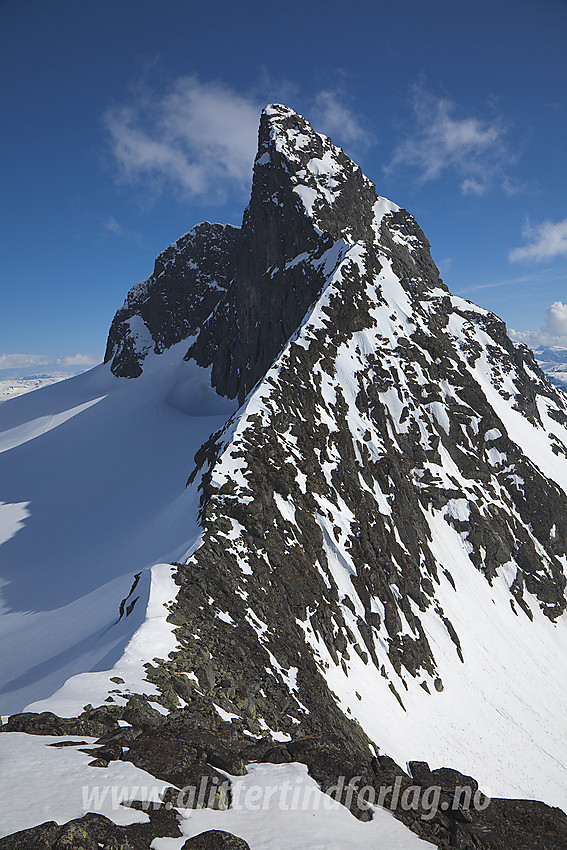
(16, 380)
(553, 361)
(12, 387)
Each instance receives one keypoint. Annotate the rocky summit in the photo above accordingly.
(367, 551)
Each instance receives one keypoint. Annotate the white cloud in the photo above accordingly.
(111, 225)
(13, 361)
(556, 319)
(79, 360)
(553, 331)
(547, 241)
(473, 149)
(470, 186)
(335, 118)
(199, 137)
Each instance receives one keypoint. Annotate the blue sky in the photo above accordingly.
(127, 122)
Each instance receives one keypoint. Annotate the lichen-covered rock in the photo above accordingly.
(172, 759)
(41, 837)
(47, 723)
(96, 832)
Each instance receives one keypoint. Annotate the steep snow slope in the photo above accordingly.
(93, 475)
(501, 713)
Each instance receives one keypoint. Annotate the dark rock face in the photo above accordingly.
(94, 831)
(510, 511)
(318, 246)
(274, 285)
(215, 839)
(189, 279)
(171, 759)
(188, 758)
(47, 723)
(256, 278)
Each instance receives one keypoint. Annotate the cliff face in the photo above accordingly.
(189, 280)
(306, 194)
(246, 292)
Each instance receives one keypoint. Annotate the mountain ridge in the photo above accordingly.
(382, 524)
(439, 339)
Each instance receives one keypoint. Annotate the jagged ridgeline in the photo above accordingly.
(392, 443)
(386, 409)
(385, 517)
(386, 512)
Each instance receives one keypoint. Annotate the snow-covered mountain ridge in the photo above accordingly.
(380, 531)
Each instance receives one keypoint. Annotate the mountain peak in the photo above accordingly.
(332, 189)
(189, 279)
(370, 553)
(309, 203)
(287, 132)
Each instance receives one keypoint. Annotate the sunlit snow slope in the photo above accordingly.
(93, 474)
